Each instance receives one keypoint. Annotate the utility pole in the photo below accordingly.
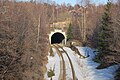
(38, 34)
(83, 23)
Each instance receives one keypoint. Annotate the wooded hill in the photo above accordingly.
(24, 41)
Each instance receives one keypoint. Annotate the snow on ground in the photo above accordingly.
(53, 62)
(85, 68)
(68, 67)
(78, 72)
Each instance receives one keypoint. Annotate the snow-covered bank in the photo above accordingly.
(68, 67)
(87, 66)
(85, 69)
(53, 62)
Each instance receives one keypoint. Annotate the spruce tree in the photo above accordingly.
(69, 32)
(105, 35)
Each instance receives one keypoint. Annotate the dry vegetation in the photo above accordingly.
(23, 34)
(23, 40)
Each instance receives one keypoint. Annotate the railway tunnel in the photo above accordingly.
(57, 38)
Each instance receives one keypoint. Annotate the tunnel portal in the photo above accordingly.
(57, 38)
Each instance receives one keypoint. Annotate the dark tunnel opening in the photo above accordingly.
(57, 38)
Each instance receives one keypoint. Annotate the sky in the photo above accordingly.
(73, 2)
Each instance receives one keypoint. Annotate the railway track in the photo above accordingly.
(63, 73)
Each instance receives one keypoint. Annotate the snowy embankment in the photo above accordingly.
(85, 69)
(53, 62)
(67, 66)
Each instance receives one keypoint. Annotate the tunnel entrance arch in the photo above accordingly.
(57, 36)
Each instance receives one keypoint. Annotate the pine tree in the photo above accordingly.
(105, 35)
(69, 32)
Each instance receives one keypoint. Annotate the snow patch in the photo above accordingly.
(53, 62)
(85, 69)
